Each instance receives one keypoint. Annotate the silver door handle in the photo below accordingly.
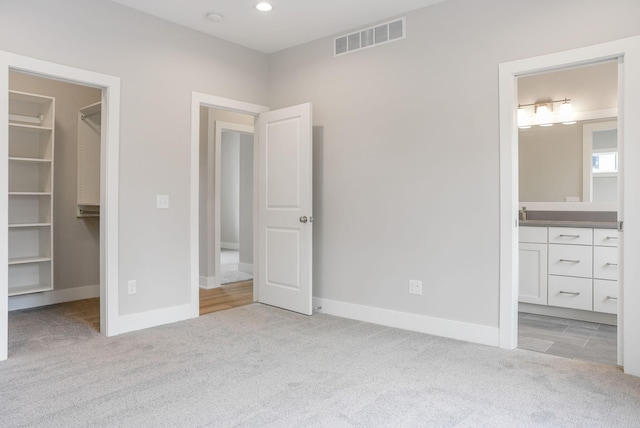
(611, 264)
(570, 292)
(569, 261)
(304, 219)
(569, 236)
(612, 298)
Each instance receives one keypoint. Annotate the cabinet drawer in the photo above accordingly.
(605, 296)
(570, 235)
(605, 237)
(570, 292)
(572, 260)
(605, 263)
(536, 235)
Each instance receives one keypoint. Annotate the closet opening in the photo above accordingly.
(54, 232)
(227, 208)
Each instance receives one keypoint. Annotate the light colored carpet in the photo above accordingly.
(229, 262)
(258, 366)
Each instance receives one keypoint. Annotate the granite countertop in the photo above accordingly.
(569, 223)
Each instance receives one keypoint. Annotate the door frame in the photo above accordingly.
(628, 52)
(220, 127)
(199, 99)
(110, 86)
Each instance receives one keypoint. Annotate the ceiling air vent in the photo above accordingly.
(369, 37)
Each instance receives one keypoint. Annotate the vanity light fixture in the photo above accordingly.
(264, 6)
(543, 114)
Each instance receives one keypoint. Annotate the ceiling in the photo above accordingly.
(290, 23)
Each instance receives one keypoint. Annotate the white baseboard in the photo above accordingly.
(230, 245)
(134, 322)
(208, 282)
(245, 267)
(34, 300)
(436, 326)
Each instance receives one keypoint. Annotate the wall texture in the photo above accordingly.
(406, 154)
(76, 241)
(159, 64)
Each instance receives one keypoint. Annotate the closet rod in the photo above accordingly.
(83, 116)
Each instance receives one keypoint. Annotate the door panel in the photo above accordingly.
(285, 209)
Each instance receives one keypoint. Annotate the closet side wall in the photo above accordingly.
(76, 241)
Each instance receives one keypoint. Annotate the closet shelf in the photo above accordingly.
(35, 160)
(25, 260)
(18, 225)
(29, 193)
(27, 289)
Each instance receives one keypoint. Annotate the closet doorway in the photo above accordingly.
(54, 200)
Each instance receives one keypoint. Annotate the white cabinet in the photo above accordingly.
(575, 268)
(31, 148)
(532, 286)
(88, 167)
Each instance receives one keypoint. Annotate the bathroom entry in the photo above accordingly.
(568, 187)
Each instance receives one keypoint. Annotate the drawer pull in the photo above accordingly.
(573, 293)
(611, 264)
(611, 237)
(569, 236)
(569, 261)
(612, 298)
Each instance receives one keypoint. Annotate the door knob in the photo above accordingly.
(303, 219)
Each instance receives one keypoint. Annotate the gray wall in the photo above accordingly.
(76, 241)
(406, 148)
(230, 190)
(159, 64)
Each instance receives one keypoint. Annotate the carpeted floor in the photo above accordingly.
(259, 366)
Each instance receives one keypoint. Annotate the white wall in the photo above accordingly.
(230, 191)
(160, 65)
(406, 148)
(246, 199)
(76, 241)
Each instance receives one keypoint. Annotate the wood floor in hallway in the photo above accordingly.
(226, 297)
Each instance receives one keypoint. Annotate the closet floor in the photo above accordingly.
(580, 340)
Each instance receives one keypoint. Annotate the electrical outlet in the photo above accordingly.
(162, 202)
(415, 287)
(132, 286)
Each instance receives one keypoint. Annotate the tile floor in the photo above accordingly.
(568, 338)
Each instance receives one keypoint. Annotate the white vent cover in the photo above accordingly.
(369, 37)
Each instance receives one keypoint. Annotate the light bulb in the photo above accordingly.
(543, 115)
(523, 119)
(264, 6)
(567, 116)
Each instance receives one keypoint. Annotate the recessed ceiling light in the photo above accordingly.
(215, 17)
(264, 6)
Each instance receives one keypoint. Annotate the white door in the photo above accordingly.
(285, 208)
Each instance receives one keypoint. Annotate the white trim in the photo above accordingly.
(569, 206)
(245, 267)
(199, 99)
(35, 300)
(587, 151)
(230, 246)
(154, 318)
(627, 51)
(208, 282)
(475, 333)
(110, 86)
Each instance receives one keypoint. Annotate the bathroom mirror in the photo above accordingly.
(569, 163)
(574, 162)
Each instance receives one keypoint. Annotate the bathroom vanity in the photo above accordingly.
(569, 268)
